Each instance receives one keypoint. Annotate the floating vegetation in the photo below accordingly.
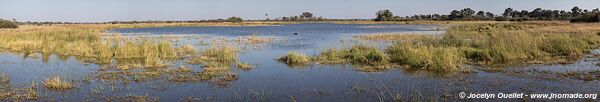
(19, 94)
(245, 66)
(253, 39)
(217, 62)
(55, 82)
(10, 93)
(217, 54)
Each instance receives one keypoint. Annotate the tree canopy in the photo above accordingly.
(7, 24)
(235, 19)
(509, 14)
(384, 15)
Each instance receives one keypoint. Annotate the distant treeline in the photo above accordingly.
(305, 16)
(576, 14)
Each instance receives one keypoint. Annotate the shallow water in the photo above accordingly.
(273, 81)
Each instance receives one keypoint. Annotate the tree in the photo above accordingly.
(7, 24)
(468, 13)
(306, 15)
(490, 15)
(576, 11)
(436, 17)
(507, 12)
(524, 13)
(383, 15)
(455, 14)
(235, 19)
(587, 17)
(481, 15)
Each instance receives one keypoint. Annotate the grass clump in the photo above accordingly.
(294, 58)
(245, 66)
(226, 54)
(367, 57)
(357, 54)
(56, 82)
(363, 54)
(424, 57)
(217, 62)
(331, 56)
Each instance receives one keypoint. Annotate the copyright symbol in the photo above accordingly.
(462, 94)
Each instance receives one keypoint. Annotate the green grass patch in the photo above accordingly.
(294, 58)
(426, 57)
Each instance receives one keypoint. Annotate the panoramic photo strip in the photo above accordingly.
(299, 50)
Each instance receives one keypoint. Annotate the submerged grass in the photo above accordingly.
(253, 39)
(226, 54)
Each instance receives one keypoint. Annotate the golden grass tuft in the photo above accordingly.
(294, 58)
(425, 57)
(357, 54)
(331, 56)
(498, 43)
(226, 53)
(55, 82)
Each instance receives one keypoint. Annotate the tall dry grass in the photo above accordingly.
(484, 44)
(85, 41)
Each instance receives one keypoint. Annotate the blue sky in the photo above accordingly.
(124, 10)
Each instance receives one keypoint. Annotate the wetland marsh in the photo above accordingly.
(296, 61)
